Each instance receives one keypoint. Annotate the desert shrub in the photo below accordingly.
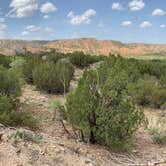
(28, 67)
(5, 103)
(10, 83)
(104, 112)
(5, 61)
(147, 91)
(158, 98)
(10, 89)
(80, 59)
(58, 110)
(9, 115)
(146, 83)
(54, 57)
(53, 78)
(23, 118)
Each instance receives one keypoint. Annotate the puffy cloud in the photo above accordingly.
(32, 28)
(163, 26)
(158, 12)
(135, 5)
(46, 16)
(70, 14)
(23, 8)
(117, 6)
(24, 33)
(48, 7)
(2, 26)
(84, 18)
(145, 24)
(126, 23)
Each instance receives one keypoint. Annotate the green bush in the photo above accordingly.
(104, 112)
(147, 91)
(10, 83)
(12, 117)
(5, 61)
(146, 83)
(28, 67)
(53, 78)
(80, 59)
(53, 57)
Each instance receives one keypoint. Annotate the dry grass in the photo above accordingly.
(157, 125)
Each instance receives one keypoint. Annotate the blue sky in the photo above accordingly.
(123, 20)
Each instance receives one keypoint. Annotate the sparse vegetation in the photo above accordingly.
(25, 135)
(158, 130)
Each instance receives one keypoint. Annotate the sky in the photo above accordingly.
(123, 20)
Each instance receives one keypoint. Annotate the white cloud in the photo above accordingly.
(84, 18)
(46, 16)
(32, 28)
(135, 5)
(158, 12)
(24, 33)
(70, 14)
(2, 26)
(48, 7)
(126, 23)
(145, 24)
(23, 8)
(117, 6)
(48, 29)
(163, 26)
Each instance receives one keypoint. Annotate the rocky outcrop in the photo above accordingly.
(87, 45)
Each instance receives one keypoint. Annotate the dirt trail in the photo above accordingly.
(56, 149)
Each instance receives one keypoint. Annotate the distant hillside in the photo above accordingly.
(87, 45)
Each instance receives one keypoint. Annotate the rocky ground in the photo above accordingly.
(58, 149)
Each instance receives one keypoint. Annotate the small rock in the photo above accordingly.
(18, 150)
(87, 161)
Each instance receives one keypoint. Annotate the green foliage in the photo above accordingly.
(5, 61)
(10, 83)
(10, 116)
(28, 67)
(147, 79)
(53, 56)
(82, 60)
(57, 106)
(53, 78)
(104, 112)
